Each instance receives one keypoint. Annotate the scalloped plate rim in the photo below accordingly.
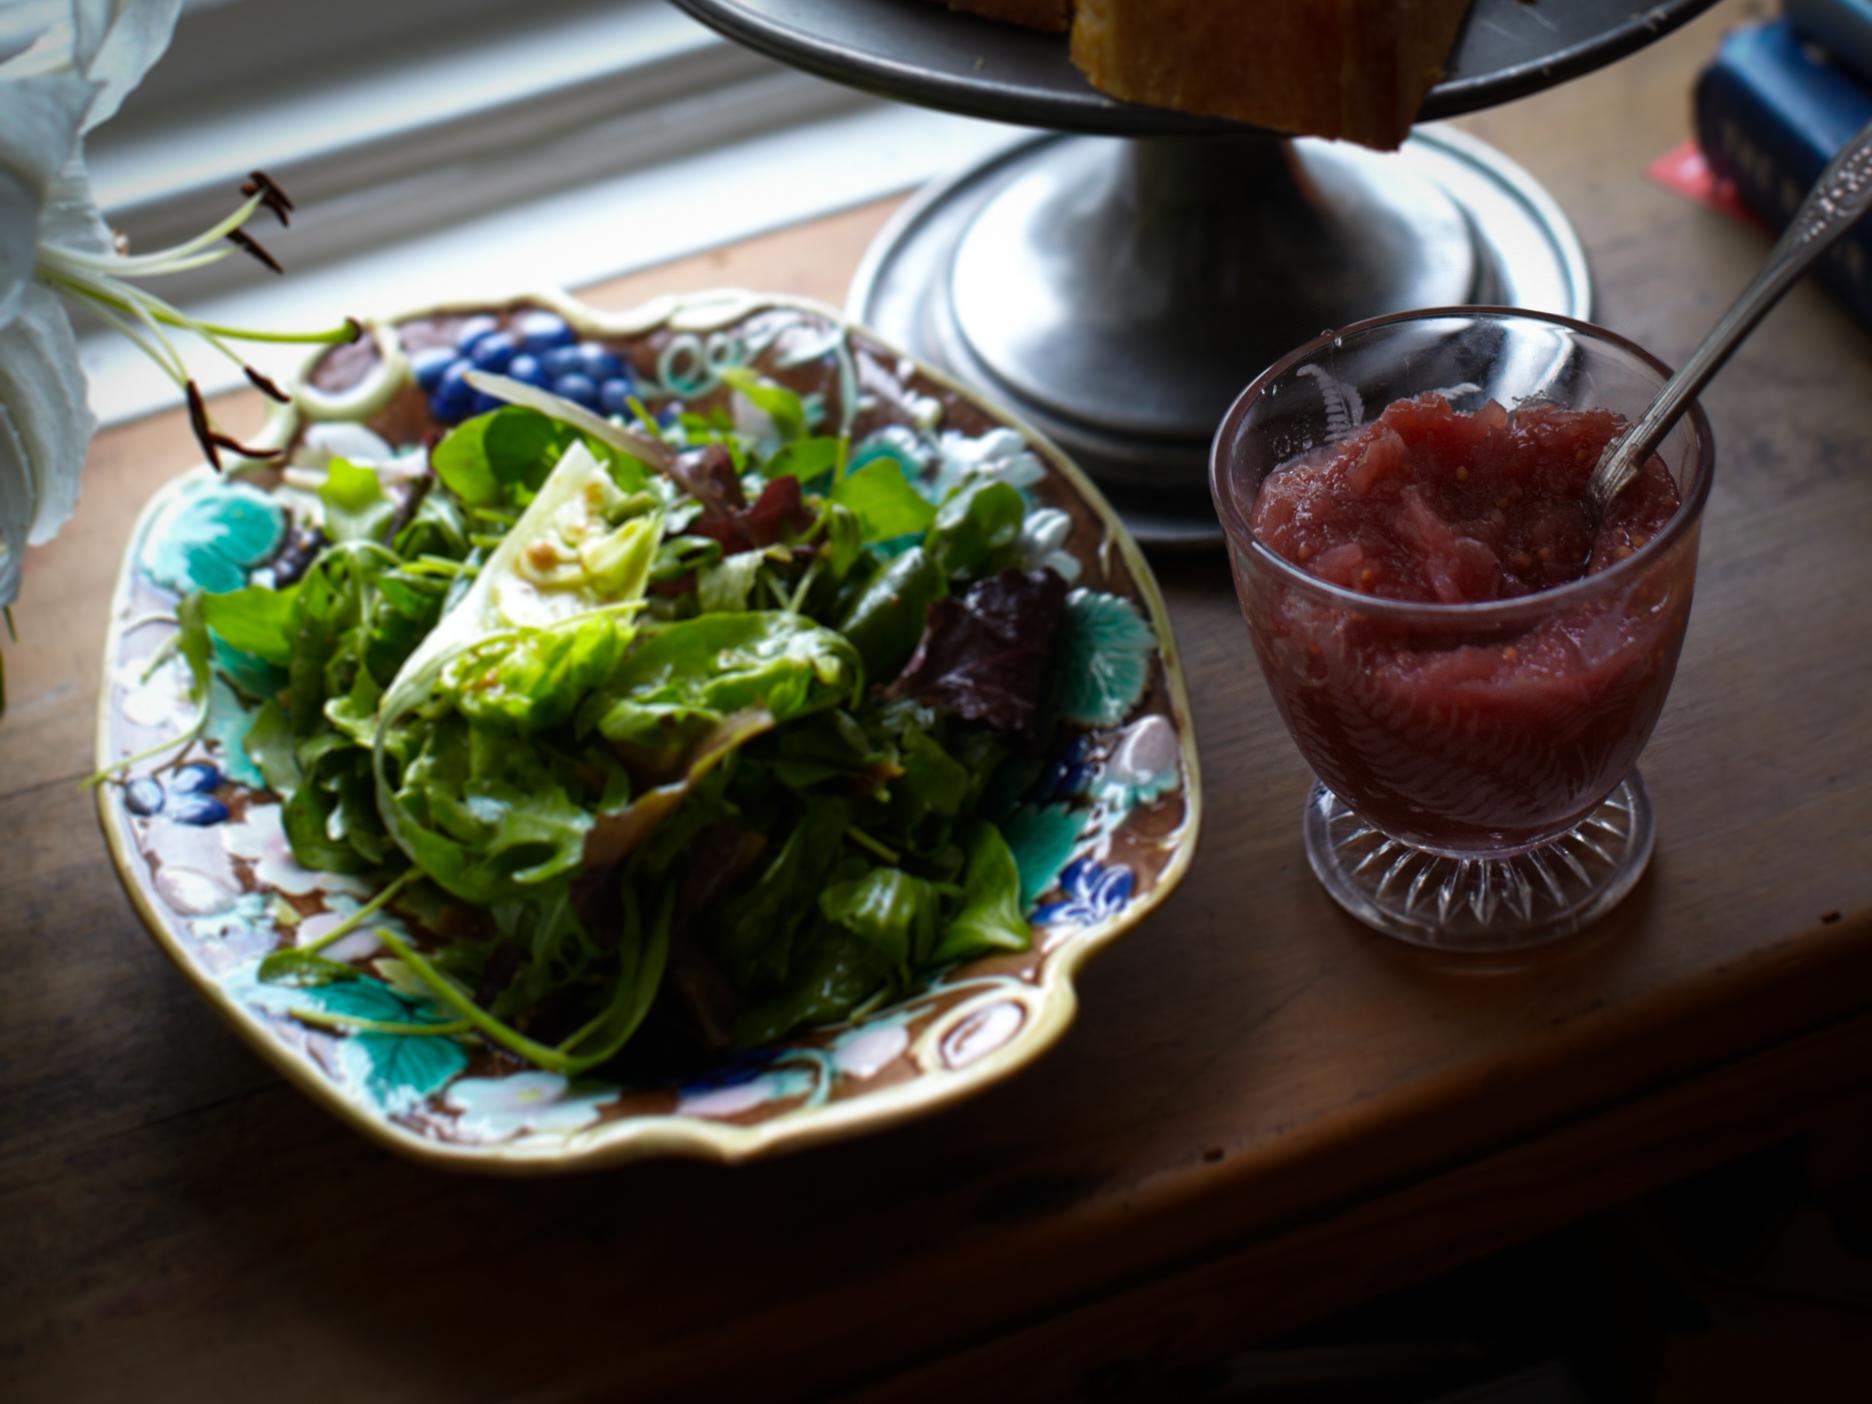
(606, 1144)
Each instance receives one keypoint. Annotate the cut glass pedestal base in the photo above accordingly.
(1481, 905)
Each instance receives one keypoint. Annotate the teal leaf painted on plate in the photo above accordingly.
(209, 539)
(1104, 658)
(400, 1070)
(395, 1070)
(253, 676)
(1042, 839)
(226, 730)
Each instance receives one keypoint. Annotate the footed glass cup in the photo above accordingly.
(1466, 802)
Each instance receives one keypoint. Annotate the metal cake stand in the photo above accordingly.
(1118, 293)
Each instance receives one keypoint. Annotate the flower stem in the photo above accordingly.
(361, 915)
(321, 1018)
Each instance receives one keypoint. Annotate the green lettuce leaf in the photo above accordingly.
(883, 500)
(885, 621)
(989, 918)
(686, 678)
(976, 530)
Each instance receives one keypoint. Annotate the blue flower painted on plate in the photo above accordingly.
(1105, 658)
(743, 1065)
(757, 1077)
(199, 810)
(143, 796)
(209, 538)
(195, 778)
(1066, 774)
(1094, 893)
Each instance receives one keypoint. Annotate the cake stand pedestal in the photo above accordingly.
(1118, 293)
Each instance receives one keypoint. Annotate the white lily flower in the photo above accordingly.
(66, 66)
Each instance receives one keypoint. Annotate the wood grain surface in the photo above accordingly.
(1262, 1113)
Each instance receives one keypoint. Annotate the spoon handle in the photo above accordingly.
(1834, 204)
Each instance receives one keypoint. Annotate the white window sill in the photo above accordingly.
(600, 140)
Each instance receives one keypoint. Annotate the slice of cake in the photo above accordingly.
(1356, 69)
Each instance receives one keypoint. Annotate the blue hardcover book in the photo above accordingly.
(1770, 113)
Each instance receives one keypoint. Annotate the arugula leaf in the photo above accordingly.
(806, 459)
(641, 956)
(976, 529)
(500, 457)
(886, 619)
(314, 814)
(435, 528)
(298, 969)
(890, 911)
(724, 586)
(192, 639)
(989, 918)
(886, 505)
(486, 819)
(255, 620)
(844, 539)
(777, 402)
(684, 679)
(617, 832)
(752, 933)
(356, 506)
(269, 745)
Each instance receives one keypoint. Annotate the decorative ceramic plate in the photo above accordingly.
(1100, 838)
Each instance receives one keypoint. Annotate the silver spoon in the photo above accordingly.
(1841, 195)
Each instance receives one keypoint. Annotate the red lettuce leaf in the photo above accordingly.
(984, 656)
(777, 511)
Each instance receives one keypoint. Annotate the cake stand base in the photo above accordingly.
(1118, 293)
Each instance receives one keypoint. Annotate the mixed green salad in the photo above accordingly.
(675, 735)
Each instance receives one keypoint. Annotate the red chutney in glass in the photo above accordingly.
(1469, 734)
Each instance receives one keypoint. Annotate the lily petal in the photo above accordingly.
(114, 42)
(16, 506)
(43, 389)
(41, 119)
(70, 218)
(34, 37)
(19, 241)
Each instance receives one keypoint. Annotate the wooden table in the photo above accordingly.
(1263, 1113)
